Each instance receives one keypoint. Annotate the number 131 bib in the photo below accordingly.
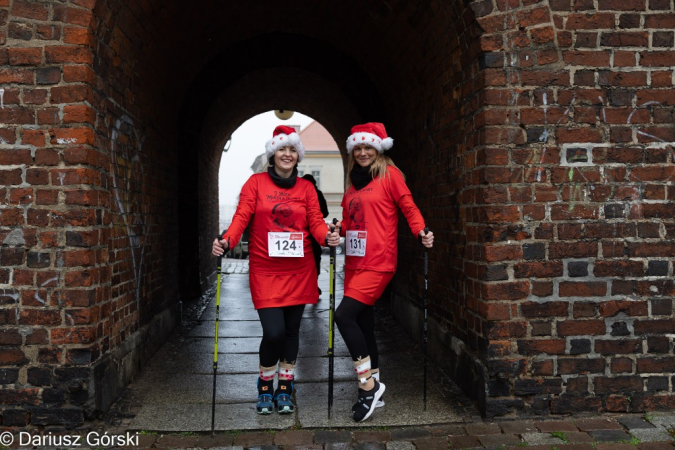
(289, 245)
(356, 243)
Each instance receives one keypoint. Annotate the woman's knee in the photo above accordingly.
(275, 335)
(344, 318)
(292, 333)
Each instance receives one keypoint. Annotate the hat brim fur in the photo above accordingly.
(283, 140)
(372, 140)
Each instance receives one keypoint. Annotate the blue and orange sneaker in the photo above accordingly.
(282, 397)
(265, 404)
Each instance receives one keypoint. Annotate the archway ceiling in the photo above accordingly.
(377, 34)
(255, 93)
(199, 49)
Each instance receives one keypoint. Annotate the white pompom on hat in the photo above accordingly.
(372, 134)
(281, 137)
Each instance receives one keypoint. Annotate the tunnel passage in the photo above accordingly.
(244, 82)
(142, 97)
(536, 139)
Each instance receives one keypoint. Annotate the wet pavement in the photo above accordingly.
(169, 403)
(177, 385)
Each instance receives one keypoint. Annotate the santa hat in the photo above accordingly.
(372, 134)
(281, 137)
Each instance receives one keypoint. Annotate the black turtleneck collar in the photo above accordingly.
(360, 176)
(282, 182)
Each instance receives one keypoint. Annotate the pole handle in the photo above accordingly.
(426, 231)
(220, 238)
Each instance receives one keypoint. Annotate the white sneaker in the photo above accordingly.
(363, 408)
(380, 402)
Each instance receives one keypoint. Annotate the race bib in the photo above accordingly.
(356, 243)
(287, 245)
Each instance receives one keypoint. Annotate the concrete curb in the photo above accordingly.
(604, 432)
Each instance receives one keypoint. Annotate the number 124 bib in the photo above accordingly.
(289, 245)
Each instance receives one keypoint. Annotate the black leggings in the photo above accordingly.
(281, 334)
(356, 322)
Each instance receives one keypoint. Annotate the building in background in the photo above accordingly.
(226, 214)
(322, 160)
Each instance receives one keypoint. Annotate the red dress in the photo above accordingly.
(374, 209)
(278, 281)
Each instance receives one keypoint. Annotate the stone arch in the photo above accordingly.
(415, 72)
(240, 83)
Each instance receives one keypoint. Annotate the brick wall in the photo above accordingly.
(435, 123)
(545, 171)
(536, 137)
(87, 225)
(569, 207)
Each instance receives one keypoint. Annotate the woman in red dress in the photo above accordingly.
(282, 210)
(376, 191)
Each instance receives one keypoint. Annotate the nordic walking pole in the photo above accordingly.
(215, 343)
(331, 328)
(426, 326)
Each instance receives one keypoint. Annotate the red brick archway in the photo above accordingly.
(536, 137)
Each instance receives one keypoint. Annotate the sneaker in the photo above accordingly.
(265, 404)
(282, 398)
(364, 407)
(380, 402)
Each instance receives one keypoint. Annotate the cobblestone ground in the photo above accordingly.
(652, 431)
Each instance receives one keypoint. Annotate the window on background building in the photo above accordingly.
(301, 172)
(317, 176)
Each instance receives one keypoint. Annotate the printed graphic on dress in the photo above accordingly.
(356, 215)
(282, 216)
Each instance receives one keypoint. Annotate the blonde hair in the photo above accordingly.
(378, 169)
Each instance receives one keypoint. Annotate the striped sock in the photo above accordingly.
(268, 373)
(286, 371)
(362, 369)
